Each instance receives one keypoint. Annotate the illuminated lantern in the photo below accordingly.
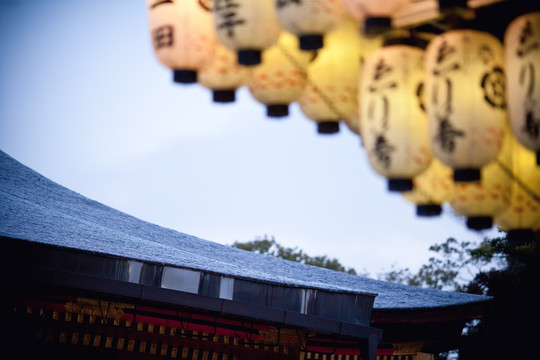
(431, 189)
(481, 201)
(223, 75)
(522, 218)
(332, 91)
(309, 19)
(522, 55)
(465, 100)
(247, 27)
(183, 36)
(281, 78)
(376, 14)
(393, 122)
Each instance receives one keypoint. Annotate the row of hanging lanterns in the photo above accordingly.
(445, 117)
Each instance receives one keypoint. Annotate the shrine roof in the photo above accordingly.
(36, 209)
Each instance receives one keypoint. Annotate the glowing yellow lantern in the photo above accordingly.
(522, 218)
(522, 55)
(481, 201)
(247, 27)
(431, 189)
(309, 19)
(368, 46)
(223, 75)
(376, 14)
(332, 91)
(183, 36)
(280, 79)
(394, 125)
(465, 100)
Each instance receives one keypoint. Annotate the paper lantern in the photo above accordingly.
(394, 125)
(431, 189)
(183, 36)
(465, 100)
(223, 75)
(247, 27)
(376, 14)
(522, 218)
(281, 78)
(522, 55)
(309, 19)
(332, 91)
(481, 201)
(368, 46)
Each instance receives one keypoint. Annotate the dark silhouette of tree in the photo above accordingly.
(271, 247)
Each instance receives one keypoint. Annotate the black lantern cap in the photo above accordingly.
(311, 42)
(249, 57)
(374, 26)
(223, 96)
(328, 127)
(400, 185)
(519, 237)
(428, 210)
(406, 40)
(277, 110)
(479, 222)
(185, 76)
(467, 175)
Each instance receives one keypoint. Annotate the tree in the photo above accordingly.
(271, 247)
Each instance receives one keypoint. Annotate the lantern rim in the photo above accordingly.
(249, 57)
(467, 175)
(479, 222)
(328, 127)
(377, 25)
(428, 210)
(311, 41)
(277, 110)
(224, 95)
(185, 76)
(400, 184)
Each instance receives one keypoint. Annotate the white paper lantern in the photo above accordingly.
(481, 201)
(247, 27)
(309, 19)
(183, 36)
(522, 55)
(376, 14)
(465, 100)
(332, 92)
(522, 218)
(431, 189)
(223, 75)
(394, 125)
(281, 78)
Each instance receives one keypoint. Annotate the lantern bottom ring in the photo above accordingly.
(277, 110)
(467, 175)
(400, 184)
(428, 210)
(185, 76)
(328, 127)
(311, 42)
(224, 96)
(249, 57)
(479, 222)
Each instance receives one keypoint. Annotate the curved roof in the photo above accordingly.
(37, 209)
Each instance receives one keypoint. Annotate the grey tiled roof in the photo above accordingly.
(37, 209)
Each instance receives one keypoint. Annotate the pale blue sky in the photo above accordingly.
(84, 101)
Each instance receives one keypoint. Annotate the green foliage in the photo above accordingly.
(272, 248)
